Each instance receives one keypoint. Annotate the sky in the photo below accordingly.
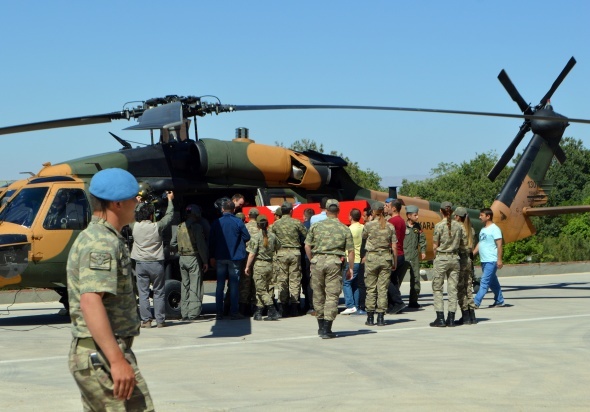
(64, 59)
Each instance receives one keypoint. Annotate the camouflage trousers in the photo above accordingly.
(465, 284)
(377, 272)
(262, 277)
(445, 267)
(414, 277)
(96, 385)
(326, 283)
(191, 287)
(246, 287)
(289, 276)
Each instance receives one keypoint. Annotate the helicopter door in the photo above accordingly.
(64, 213)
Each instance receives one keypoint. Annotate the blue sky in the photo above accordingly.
(64, 58)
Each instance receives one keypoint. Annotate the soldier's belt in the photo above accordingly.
(88, 343)
(327, 254)
(447, 253)
(187, 254)
(379, 252)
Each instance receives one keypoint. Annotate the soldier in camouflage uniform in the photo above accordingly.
(465, 283)
(448, 238)
(328, 243)
(275, 264)
(290, 233)
(102, 302)
(247, 289)
(414, 250)
(379, 261)
(261, 248)
(192, 247)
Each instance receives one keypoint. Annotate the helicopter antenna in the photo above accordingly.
(124, 143)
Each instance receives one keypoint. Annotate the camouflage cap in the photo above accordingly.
(253, 212)
(240, 215)
(332, 202)
(261, 218)
(411, 209)
(114, 185)
(461, 212)
(378, 206)
(287, 205)
(444, 205)
(278, 211)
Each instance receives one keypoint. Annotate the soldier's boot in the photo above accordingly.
(280, 309)
(294, 310)
(380, 319)
(272, 313)
(284, 309)
(243, 309)
(465, 319)
(328, 334)
(439, 322)
(370, 319)
(321, 331)
(472, 316)
(450, 319)
(258, 314)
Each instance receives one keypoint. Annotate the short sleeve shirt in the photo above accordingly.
(488, 250)
(99, 262)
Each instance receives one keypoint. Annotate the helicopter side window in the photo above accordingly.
(23, 208)
(5, 196)
(69, 210)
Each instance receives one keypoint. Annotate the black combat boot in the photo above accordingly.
(321, 331)
(294, 310)
(280, 309)
(451, 319)
(243, 309)
(472, 316)
(272, 313)
(380, 319)
(328, 334)
(439, 322)
(258, 314)
(370, 319)
(466, 318)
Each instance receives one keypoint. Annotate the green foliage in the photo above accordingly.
(465, 184)
(526, 250)
(365, 178)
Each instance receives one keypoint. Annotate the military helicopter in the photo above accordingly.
(41, 215)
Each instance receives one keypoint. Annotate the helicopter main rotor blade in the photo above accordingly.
(570, 64)
(509, 152)
(516, 96)
(73, 121)
(400, 109)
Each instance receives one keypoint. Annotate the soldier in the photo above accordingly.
(262, 247)
(278, 214)
(414, 250)
(247, 288)
(379, 262)
(328, 244)
(193, 250)
(465, 283)
(102, 301)
(447, 240)
(290, 233)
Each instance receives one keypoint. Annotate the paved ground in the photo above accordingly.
(532, 355)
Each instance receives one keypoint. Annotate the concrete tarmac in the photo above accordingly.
(533, 354)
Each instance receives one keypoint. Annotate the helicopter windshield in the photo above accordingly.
(69, 210)
(23, 208)
(5, 196)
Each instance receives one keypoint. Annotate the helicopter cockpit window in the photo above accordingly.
(5, 196)
(69, 210)
(23, 208)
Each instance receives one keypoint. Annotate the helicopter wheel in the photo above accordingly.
(172, 299)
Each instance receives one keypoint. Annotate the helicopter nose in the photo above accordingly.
(14, 258)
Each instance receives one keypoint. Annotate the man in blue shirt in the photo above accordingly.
(227, 248)
(490, 254)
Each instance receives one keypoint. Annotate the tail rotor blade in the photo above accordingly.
(511, 89)
(509, 153)
(570, 64)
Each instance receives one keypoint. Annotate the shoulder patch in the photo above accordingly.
(100, 261)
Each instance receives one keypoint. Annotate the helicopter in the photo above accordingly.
(41, 215)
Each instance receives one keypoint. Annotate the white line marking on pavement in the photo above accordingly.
(294, 338)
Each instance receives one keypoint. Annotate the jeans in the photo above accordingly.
(489, 280)
(228, 269)
(349, 287)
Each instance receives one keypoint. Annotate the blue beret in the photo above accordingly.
(114, 185)
(411, 209)
(389, 200)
